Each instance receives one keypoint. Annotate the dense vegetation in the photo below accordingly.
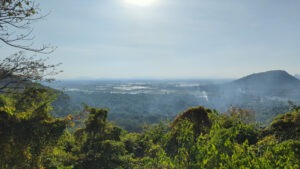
(30, 137)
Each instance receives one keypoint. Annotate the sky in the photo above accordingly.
(170, 38)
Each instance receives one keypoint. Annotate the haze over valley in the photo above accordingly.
(265, 94)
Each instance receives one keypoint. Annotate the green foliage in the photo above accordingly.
(198, 116)
(62, 155)
(102, 148)
(198, 138)
(286, 126)
(35, 101)
(27, 129)
(232, 142)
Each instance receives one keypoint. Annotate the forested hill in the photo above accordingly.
(268, 79)
(269, 84)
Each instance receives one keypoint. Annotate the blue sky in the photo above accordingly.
(171, 38)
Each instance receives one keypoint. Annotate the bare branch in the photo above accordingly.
(17, 70)
(17, 16)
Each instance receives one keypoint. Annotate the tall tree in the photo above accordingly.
(27, 128)
(16, 18)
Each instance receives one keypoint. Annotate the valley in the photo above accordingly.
(134, 103)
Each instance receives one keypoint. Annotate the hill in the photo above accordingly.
(271, 83)
(269, 78)
(266, 93)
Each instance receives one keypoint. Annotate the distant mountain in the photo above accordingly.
(297, 76)
(266, 93)
(269, 78)
(275, 82)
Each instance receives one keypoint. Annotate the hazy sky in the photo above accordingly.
(171, 38)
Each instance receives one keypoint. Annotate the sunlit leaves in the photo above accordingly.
(28, 130)
(229, 140)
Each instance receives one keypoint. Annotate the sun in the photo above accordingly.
(140, 2)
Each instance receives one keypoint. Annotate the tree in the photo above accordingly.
(286, 126)
(27, 128)
(16, 17)
(199, 116)
(103, 147)
(18, 69)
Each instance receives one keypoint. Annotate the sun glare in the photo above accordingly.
(140, 2)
